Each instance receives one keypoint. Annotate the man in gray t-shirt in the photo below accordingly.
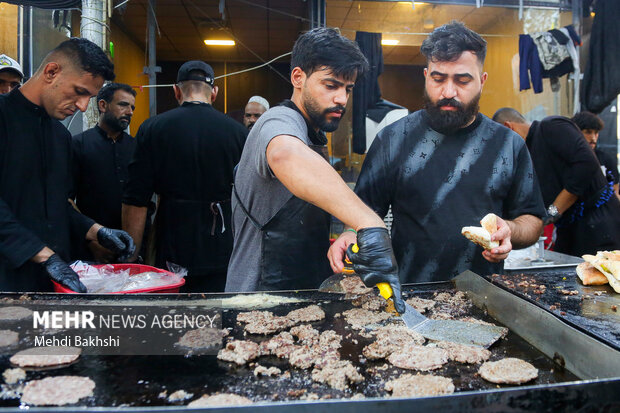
(285, 190)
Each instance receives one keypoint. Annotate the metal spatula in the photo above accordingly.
(446, 330)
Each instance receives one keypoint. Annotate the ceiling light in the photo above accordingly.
(212, 42)
(389, 42)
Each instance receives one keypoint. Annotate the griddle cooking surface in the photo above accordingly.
(591, 310)
(138, 380)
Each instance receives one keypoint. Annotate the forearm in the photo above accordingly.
(42, 255)
(310, 178)
(564, 200)
(134, 218)
(525, 230)
(91, 235)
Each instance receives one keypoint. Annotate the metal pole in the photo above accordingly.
(93, 26)
(152, 69)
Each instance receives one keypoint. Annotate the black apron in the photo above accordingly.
(295, 240)
(194, 234)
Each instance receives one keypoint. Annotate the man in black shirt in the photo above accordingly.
(581, 202)
(590, 126)
(187, 156)
(446, 167)
(100, 159)
(37, 222)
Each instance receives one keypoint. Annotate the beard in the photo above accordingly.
(318, 116)
(450, 121)
(117, 124)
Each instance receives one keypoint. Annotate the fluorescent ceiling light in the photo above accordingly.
(389, 42)
(417, 3)
(211, 42)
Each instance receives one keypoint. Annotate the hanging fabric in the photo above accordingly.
(366, 92)
(601, 80)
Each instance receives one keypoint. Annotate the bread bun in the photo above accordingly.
(590, 275)
(479, 236)
(489, 222)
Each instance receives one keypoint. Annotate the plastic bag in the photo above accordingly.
(107, 279)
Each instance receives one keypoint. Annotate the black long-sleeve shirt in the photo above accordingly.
(100, 174)
(187, 156)
(35, 182)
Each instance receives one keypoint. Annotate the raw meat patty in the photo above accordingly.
(422, 358)
(45, 356)
(222, 399)
(202, 338)
(464, 353)
(57, 391)
(239, 351)
(306, 314)
(509, 370)
(14, 313)
(409, 385)
(8, 338)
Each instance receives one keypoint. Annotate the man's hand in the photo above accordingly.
(375, 262)
(503, 234)
(338, 249)
(117, 241)
(59, 271)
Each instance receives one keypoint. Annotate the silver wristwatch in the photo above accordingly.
(552, 211)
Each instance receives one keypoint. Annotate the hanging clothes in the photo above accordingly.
(559, 57)
(601, 80)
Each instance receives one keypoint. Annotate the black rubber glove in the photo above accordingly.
(117, 241)
(375, 261)
(60, 272)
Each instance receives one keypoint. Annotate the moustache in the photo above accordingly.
(449, 102)
(336, 109)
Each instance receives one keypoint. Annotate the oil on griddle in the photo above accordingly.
(145, 380)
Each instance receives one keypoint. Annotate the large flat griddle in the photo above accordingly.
(134, 382)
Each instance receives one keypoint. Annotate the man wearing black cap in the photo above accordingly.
(187, 156)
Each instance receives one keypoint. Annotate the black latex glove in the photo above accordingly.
(375, 261)
(59, 271)
(117, 241)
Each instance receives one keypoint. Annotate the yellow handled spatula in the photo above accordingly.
(446, 330)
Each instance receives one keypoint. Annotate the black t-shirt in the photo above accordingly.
(100, 174)
(187, 156)
(563, 159)
(35, 182)
(609, 163)
(437, 184)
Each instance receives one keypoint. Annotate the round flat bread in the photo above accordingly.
(419, 358)
(57, 391)
(8, 338)
(409, 385)
(222, 399)
(46, 356)
(14, 313)
(508, 370)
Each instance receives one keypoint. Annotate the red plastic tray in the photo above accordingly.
(133, 269)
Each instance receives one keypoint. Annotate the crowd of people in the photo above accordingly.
(247, 207)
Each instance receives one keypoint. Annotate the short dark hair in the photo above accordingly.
(107, 91)
(325, 46)
(588, 120)
(87, 55)
(446, 43)
(508, 115)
